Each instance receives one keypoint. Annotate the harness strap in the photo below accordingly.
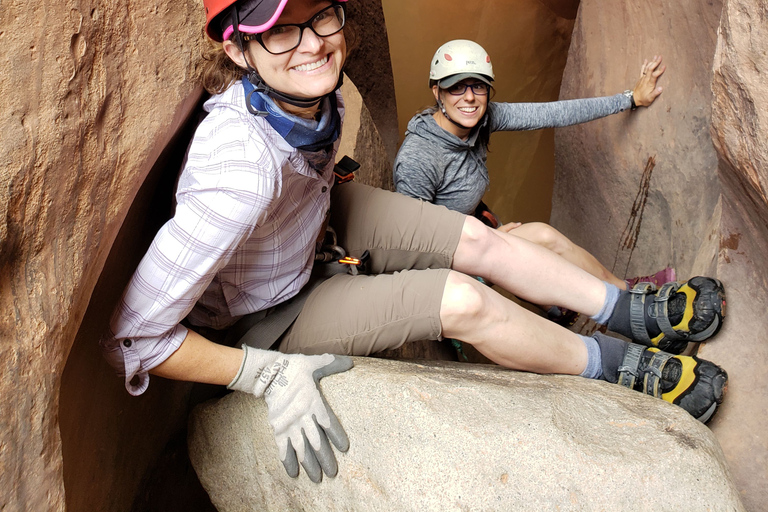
(628, 369)
(652, 377)
(637, 311)
(264, 329)
(662, 311)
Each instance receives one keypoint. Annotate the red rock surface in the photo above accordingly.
(683, 182)
(92, 94)
(88, 104)
(740, 134)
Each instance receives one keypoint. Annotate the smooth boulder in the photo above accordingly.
(452, 436)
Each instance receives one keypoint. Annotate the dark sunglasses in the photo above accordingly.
(478, 88)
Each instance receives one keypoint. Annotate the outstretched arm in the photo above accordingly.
(556, 114)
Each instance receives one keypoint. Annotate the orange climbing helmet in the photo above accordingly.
(256, 16)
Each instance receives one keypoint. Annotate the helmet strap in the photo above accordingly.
(261, 86)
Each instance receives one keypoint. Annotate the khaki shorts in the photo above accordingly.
(411, 243)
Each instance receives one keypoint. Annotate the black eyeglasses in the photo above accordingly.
(284, 38)
(479, 88)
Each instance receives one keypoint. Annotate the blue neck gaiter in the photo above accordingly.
(304, 134)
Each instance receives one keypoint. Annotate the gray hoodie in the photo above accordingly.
(437, 166)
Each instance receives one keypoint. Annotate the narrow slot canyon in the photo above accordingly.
(93, 149)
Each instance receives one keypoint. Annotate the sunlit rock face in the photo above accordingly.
(527, 41)
(683, 182)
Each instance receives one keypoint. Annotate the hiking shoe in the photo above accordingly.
(694, 384)
(670, 317)
(659, 278)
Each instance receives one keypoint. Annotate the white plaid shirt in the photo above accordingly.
(242, 238)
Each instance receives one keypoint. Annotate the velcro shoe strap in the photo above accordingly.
(628, 369)
(652, 377)
(637, 311)
(661, 302)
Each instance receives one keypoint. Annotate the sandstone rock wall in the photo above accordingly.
(362, 141)
(92, 94)
(370, 68)
(739, 132)
(86, 109)
(660, 159)
(683, 182)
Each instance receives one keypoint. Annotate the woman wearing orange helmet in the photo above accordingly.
(236, 261)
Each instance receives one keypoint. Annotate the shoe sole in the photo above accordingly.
(719, 395)
(714, 327)
(704, 418)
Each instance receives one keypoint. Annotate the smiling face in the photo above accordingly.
(310, 70)
(466, 109)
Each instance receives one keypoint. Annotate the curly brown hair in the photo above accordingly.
(216, 71)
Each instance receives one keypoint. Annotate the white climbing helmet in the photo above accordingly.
(459, 59)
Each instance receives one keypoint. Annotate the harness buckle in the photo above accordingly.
(357, 265)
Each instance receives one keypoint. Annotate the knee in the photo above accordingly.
(547, 236)
(463, 299)
(476, 235)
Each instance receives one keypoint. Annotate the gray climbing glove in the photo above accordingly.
(301, 418)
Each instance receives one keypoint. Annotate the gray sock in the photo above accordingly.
(611, 297)
(594, 369)
(612, 351)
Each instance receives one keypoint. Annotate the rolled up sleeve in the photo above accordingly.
(181, 262)
(133, 357)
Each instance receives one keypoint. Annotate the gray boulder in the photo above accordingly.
(452, 436)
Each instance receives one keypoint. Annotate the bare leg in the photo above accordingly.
(547, 236)
(528, 270)
(506, 333)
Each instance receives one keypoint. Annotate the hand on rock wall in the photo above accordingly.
(645, 90)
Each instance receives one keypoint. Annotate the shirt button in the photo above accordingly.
(325, 189)
(127, 343)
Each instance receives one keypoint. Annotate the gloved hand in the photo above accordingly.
(297, 408)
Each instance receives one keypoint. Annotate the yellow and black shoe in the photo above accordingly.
(673, 315)
(694, 384)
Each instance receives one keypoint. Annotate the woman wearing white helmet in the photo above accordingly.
(236, 261)
(443, 157)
